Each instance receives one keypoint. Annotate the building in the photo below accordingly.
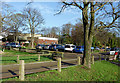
(47, 40)
(25, 38)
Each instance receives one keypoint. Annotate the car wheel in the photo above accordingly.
(72, 51)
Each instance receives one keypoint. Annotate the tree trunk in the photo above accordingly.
(32, 40)
(85, 24)
(88, 35)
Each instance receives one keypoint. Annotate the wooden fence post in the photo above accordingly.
(38, 57)
(84, 62)
(105, 56)
(59, 64)
(93, 59)
(100, 57)
(17, 58)
(78, 60)
(21, 70)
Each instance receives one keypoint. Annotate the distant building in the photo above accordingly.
(46, 40)
(26, 38)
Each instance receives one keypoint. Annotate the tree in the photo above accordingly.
(33, 19)
(90, 10)
(15, 24)
(66, 33)
(7, 11)
(77, 34)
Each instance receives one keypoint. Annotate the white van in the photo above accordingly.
(69, 47)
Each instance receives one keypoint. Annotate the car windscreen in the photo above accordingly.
(67, 46)
(73, 46)
(78, 46)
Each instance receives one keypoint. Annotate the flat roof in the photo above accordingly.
(47, 38)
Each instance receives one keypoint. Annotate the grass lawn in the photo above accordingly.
(13, 59)
(10, 57)
(12, 53)
(100, 71)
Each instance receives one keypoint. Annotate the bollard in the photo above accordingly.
(105, 56)
(17, 58)
(59, 64)
(84, 62)
(38, 57)
(92, 59)
(78, 60)
(21, 70)
(100, 57)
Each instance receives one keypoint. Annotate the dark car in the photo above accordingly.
(56, 47)
(13, 45)
(46, 47)
(39, 47)
(61, 48)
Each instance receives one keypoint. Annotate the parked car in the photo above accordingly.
(56, 47)
(79, 49)
(46, 47)
(61, 48)
(92, 48)
(70, 47)
(97, 48)
(113, 50)
(14, 45)
(39, 47)
(108, 49)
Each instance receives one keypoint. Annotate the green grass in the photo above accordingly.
(100, 71)
(12, 53)
(13, 59)
(10, 57)
(96, 51)
(117, 61)
(28, 47)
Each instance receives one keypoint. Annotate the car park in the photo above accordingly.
(80, 49)
(70, 47)
(56, 47)
(14, 45)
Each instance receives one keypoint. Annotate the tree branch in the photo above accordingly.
(100, 6)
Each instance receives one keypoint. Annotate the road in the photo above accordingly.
(70, 59)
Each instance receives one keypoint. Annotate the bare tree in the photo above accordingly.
(89, 12)
(5, 14)
(15, 24)
(33, 19)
